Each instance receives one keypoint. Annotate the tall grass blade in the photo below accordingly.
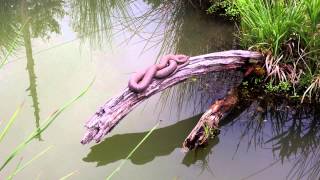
(43, 127)
(20, 168)
(131, 153)
(11, 120)
(68, 175)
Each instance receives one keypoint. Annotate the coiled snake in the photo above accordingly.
(169, 64)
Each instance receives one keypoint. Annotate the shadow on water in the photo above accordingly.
(290, 131)
(161, 142)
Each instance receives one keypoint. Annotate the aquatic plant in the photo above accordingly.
(269, 24)
(34, 134)
(224, 8)
(287, 32)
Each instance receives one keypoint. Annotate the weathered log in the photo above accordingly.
(110, 114)
(208, 125)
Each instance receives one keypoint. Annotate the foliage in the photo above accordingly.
(10, 123)
(288, 33)
(283, 86)
(210, 132)
(224, 8)
(269, 23)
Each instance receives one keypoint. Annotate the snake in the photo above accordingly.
(169, 65)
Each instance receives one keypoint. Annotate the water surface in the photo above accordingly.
(64, 45)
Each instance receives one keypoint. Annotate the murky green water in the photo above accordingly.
(66, 44)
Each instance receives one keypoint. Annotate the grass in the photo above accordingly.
(288, 33)
(131, 153)
(10, 122)
(34, 134)
(269, 24)
(21, 167)
(68, 175)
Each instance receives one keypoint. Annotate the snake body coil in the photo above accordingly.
(168, 65)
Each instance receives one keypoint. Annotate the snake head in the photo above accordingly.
(181, 58)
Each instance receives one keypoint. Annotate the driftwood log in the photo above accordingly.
(208, 125)
(110, 114)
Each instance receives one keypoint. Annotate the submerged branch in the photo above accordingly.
(110, 114)
(208, 125)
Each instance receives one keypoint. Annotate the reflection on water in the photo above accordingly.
(288, 134)
(30, 64)
(21, 20)
(177, 25)
(290, 131)
(93, 19)
(9, 24)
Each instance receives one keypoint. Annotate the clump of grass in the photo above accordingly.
(288, 33)
(269, 23)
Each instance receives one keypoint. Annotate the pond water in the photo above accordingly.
(65, 44)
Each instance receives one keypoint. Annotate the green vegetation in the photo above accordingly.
(34, 134)
(288, 34)
(133, 150)
(210, 132)
(283, 86)
(224, 8)
(21, 167)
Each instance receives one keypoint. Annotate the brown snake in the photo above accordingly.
(169, 64)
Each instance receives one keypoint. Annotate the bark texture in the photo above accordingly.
(208, 125)
(110, 114)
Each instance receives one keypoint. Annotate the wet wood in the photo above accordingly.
(208, 125)
(111, 113)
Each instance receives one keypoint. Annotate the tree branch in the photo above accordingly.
(110, 114)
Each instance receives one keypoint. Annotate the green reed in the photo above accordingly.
(133, 150)
(269, 23)
(288, 32)
(34, 134)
